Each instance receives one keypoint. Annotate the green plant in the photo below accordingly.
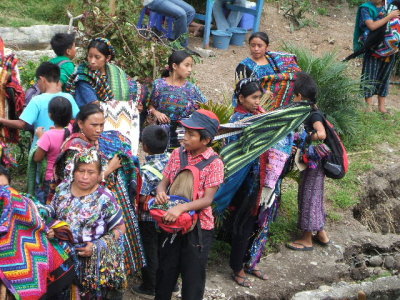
(28, 71)
(294, 10)
(339, 96)
(323, 11)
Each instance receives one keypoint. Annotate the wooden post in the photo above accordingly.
(113, 7)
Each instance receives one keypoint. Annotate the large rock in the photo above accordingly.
(33, 37)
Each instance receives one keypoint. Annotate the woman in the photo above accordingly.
(100, 81)
(97, 226)
(277, 69)
(182, 12)
(253, 202)
(121, 174)
(173, 97)
(376, 69)
(312, 214)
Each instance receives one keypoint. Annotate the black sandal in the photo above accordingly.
(245, 281)
(257, 273)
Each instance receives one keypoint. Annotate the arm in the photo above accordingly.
(320, 133)
(162, 118)
(373, 25)
(162, 196)
(18, 124)
(118, 231)
(174, 212)
(39, 155)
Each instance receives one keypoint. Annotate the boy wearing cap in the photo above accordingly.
(187, 254)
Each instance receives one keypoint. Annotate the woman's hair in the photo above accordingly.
(6, 173)
(261, 35)
(306, 86)
(248, 86)
(85, 112)
(175, 58)
(103, 46)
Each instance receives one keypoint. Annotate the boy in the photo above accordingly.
(187, 254)
(155, 142)
(36, 112)
(63, 45)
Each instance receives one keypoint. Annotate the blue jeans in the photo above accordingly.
(182, 12)
(234, 17)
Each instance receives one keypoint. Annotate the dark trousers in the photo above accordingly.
(183, 256)
(241, 243)
(149, 236)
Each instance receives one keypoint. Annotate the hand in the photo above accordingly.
(39, 132)
(162, 198)
(50, 234)
(114, 163)
(86, 251)
(172, 214)
(162, 118)
(294, 149)
(394, 14)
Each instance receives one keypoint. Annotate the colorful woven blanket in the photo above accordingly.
(30, 265)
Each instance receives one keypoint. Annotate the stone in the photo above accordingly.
(204, 52)
(389, 262)
(397, 261)
(375, 261)
(32, 37)
(359, 273)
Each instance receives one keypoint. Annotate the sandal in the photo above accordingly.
(257, 273)
(244, 281)
(321, 243)
(303, 247)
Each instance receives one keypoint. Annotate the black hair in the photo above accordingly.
(204, 134)
(101, 47)
(261, 35)
(60, 110)
(61, 42)
(247, 87)
(5, 172)
(306, 86)
(175, 58)
(155, 138)
(85, 112)
(49, 71)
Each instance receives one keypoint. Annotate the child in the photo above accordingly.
(36, 112)
(173, 97)
(63, 45)
(154, 141)
(376, 69)
(49, 144)
(187, 254)
(311, 189)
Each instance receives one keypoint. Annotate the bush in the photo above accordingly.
(339, 96)
(28, 71)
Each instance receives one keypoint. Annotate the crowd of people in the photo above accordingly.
(99, 215)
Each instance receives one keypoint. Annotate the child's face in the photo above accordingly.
(297, 98)
(191, 140)
(257, 48)
(41, 82)
(3, 180)
(251, 102)
(71, 52)
(184, 69)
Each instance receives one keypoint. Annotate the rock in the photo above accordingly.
(359, 273)
(26, 55)
(397, 261)
(33, 37)
(389, 262)
(375, 261)
(204, 52)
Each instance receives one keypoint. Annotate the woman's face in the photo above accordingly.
(257, 48)
(251, 102)
(184, 69)
(97, 60)
(87, 176)
(93, 126)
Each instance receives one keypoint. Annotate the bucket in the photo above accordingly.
(221, 38)
(238, 35)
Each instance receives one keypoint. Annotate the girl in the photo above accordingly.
(311, 189)
(97, 226)
(100, 81)
(49, 144)
(120, 174)
(376, 70)
(173, 97)
(255, 204)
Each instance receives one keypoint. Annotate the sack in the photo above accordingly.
(336, 164)
(184, 188)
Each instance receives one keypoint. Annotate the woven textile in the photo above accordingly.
(390, 44)
(29, 263)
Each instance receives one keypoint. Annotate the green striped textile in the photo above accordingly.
(261, 135)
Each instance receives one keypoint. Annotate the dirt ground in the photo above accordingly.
(289, 271)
